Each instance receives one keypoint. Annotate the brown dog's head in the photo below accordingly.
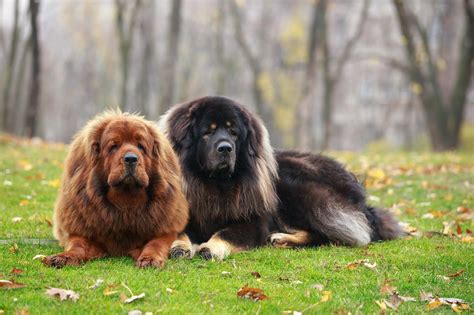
(123, 150)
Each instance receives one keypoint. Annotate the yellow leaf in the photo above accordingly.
(376, 173)
(382, 306)
(435, 303)
(24, 202)
(327, 295)
(25, 165)
(54, 183)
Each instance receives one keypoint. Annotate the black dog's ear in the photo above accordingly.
(179, 124)
(254, 133)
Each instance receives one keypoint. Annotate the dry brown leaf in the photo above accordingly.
(386, 287)
(16, 271)
(456, 274)
(7, 284)
(62, 294)
(256, 274)
(253, 294)
(14, 248)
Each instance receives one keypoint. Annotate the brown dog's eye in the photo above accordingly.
(113, 148)
(141, 148)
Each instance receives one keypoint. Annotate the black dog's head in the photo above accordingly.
(214, 136)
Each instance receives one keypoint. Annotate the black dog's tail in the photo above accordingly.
(384, 225)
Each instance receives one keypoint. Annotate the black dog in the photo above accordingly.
(241, 193)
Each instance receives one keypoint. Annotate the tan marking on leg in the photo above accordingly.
(182, 247)
(217, 248)
(285, 240)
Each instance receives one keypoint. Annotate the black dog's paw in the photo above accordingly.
(206, 253)
(179, 252)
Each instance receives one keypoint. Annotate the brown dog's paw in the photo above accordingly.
(147, 261)
(61, 260)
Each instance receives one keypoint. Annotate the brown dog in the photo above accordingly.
(120, 194)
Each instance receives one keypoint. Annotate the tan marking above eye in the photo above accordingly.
(228, 123)
(213, 126)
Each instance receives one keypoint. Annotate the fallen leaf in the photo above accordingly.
(382, 305)
(24, 202)
(109, 290)
(256, 274)
(135, 312)
(456, 274)
(168, 290)
(369, 265)
(16, 219)
(97, 284)
(16, 271)
(327, 295)
(225, 273)
(25, 165)
(386, 287)
(7, 284)
(434, 303)
(62, 294)
(40, 257)
(363, 262)
(134, 298)
(14, 248)
(426, 296)
(253, 294)
(54, 183)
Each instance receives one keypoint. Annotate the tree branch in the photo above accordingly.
(346, 53)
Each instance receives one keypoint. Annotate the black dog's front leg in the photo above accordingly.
(235, 238)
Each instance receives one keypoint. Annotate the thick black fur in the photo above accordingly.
(313, 193)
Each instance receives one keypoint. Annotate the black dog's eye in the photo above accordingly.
(113, 148)
(141, 147)
(233, 132)
(208, 133)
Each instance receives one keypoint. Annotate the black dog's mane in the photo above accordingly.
(251, 189)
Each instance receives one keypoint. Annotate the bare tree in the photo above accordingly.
(172, 53)
(443, 118)
(9, 66)
(147, 34)
(332, 74)
(221, 70)
(125, 38)
(306, 105)
(253, 62)
(32, 113)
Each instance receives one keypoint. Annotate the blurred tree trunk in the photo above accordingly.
(147, 32)
(305, 109)
(263, 109)
(9, 67)
(221, 69)
(125, 39)
(171, 58)
(331, 77)
(443, 119)
(32, 109)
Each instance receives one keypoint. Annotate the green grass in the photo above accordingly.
(411, 184)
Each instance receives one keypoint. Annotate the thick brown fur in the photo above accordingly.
(105, 209)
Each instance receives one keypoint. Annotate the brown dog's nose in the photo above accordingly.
(130, 159)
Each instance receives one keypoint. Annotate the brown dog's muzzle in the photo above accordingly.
(130, 160)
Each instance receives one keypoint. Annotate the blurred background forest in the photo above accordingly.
(327, 74)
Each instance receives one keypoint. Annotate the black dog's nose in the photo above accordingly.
(130, 159)
(224, 147)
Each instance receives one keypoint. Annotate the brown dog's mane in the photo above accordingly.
(84, 209)
(254, 196)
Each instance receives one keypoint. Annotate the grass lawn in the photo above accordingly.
(422, 189)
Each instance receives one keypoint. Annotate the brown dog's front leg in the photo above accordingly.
(78, 250)
(155, 252)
